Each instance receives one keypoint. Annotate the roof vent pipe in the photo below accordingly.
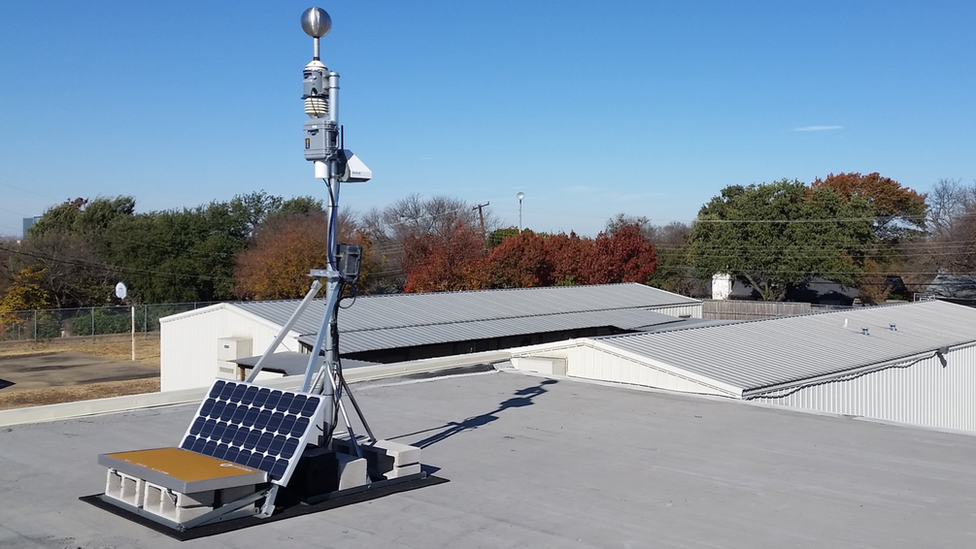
(893, 328)
(864, 331)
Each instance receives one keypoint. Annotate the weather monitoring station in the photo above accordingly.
(253, 453)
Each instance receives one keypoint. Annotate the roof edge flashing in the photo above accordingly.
(790, 387)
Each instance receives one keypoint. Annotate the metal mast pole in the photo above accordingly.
(332, 165)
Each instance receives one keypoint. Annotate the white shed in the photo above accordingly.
(911, 363)
(197, 346)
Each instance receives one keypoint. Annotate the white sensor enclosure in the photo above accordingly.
(356, 171)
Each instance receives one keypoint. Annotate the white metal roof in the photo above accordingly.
(391, 321)
(774, 353)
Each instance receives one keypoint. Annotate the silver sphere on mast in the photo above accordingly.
(316, 22)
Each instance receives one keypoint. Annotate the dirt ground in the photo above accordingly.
(72, 370)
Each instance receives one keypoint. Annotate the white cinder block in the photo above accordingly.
(125, 488)
(352, 471)
(196, 498)
(113, 484)
(401, 454)
(398, 472)
(228, 495)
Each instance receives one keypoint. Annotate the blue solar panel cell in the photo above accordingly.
(229, 433)
(277, 443)
(227, 391)
(275, 422)
(310, 405)
(228, 412)
(264, 416)
(220, 451)
(250, 416)
(300, 427)
(241, 436)
(297, 404)
(261, 397)
(207, 407)
(287, 423)
(273, 399)
(268, 463)
(280, 466)
(252, 439)
(264, 442)
(288, 451)
(249, 395)
(239, 414)
(198, 445)
(257, 427)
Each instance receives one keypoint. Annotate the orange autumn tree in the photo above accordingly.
(284, 250)
(898, 211)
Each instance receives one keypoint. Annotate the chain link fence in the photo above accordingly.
(48, 324)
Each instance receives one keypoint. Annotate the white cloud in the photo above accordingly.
(817, 128)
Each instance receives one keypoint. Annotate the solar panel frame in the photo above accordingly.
(253, 426)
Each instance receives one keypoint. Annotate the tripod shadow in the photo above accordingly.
(523, 397)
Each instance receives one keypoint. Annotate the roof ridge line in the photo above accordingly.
(540, 315)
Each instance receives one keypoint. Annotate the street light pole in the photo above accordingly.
(520, 196)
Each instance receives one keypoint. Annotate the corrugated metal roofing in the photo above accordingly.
(777, 352)
(410, 336)
(391, 321)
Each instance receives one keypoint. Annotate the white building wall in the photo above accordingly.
(590, 363)
(188, 344)
(924, 393)
(693, 310)
(583, 360)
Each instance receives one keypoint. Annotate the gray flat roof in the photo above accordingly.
(551, 463)
(772, 352)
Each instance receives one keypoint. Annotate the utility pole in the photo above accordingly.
(481, 217)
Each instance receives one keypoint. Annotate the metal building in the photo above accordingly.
(912, 363)
(198, 345)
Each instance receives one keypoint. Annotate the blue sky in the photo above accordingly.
(589, 108)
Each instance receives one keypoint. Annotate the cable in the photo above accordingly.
(355, 295)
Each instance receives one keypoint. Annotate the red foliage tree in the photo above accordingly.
(570, 257)
(624, 256)
(520, 261)
(445, 262)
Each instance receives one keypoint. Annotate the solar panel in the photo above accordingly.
(254, 426)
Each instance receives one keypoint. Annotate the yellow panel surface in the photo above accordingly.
(183, 464)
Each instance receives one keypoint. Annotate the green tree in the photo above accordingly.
(781, 234)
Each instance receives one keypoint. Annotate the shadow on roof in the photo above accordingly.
(523, 397)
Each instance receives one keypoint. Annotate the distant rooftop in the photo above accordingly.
(408, 320)
(536, 462)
